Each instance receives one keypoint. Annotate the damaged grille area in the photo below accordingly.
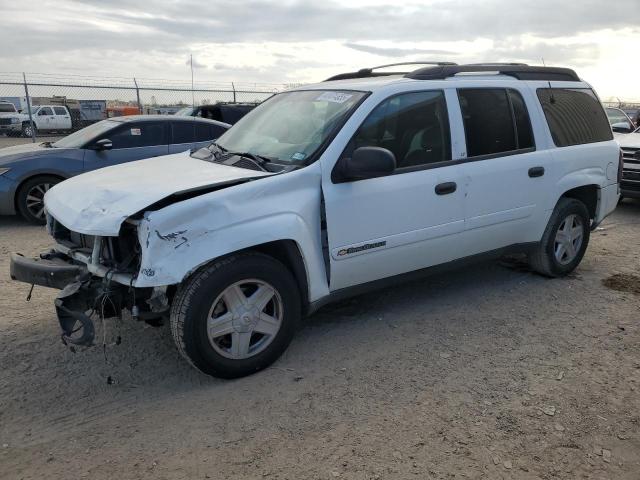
(121, 253)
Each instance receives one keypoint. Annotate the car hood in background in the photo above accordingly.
(631, 140)
(96, 203)
(24, 152)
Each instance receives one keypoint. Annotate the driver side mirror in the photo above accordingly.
(366, 162)
(621, 127)
(104, 144)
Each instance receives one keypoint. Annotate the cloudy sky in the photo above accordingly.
(288, 41)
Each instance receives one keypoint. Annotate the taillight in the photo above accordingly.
(620, 165)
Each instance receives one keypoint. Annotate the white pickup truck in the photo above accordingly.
(46, 118)
(10, 119)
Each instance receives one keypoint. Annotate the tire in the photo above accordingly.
(26, 129)
(201, 300)
(30, 195)
(548, 258)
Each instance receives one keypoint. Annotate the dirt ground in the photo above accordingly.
(488, 372)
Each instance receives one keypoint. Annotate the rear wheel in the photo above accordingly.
(30, 198)
(237, 315)
(564, 241)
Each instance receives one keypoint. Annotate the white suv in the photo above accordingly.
(46, 118)
(326, 191)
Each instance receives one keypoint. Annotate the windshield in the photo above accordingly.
(184, 112)
(7, 107)
(82, 137)
(616, 116)
(290, 126)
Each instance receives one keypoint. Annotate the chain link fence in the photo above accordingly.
(91, 99)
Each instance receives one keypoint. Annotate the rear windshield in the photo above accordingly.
(575, 116)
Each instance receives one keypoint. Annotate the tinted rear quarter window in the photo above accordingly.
(575, 116)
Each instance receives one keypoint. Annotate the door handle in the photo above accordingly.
(446, 188)
(536, 172)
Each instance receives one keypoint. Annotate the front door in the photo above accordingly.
(132, 141)
(405, 221)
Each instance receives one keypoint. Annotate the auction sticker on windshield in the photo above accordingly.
(335, 97)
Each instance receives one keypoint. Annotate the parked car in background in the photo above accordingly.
(630, 146)
(633, 114)
(328, 191)
(223, 112)
(27, 172)
(620, 122)
(10, 119)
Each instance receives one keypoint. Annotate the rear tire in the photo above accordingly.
(564, 241)
(30, 198)
(225, 331)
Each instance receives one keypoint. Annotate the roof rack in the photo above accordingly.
(516, 70)
(442, 70)
(369, 72)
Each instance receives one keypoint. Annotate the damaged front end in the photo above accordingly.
(96, 276)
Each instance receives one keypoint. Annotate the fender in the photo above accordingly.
(177, 240)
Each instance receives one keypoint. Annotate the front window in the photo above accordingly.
(82, 137)
(616, 116)
(291, 126)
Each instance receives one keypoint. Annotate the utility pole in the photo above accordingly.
(193, 97)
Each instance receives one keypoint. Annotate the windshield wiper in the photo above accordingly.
(260, 159)
(47, 145)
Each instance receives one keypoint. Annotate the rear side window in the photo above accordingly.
(182, 132)
(495, 121)
(60, 110)
(575, 116)
(203, 132)
(135, 135)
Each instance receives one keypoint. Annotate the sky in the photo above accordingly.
(291, 42)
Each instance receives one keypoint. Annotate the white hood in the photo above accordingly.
(631, 140)
(96, 203)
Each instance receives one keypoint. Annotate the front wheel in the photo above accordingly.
(237, 315)
(28, 131)
(30, 198)
(564, 241)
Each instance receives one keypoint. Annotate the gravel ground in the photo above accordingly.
(487, 372)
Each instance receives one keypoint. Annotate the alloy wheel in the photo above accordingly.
(35, 199)
(568, 239)
(244, 319)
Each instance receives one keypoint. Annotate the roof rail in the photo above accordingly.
(369, 72)
(519, 71)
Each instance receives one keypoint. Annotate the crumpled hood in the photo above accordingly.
(96, 203)
(631, 140)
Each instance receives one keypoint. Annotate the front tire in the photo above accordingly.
(564, 241)
(237, 315)
(26, 130)
(30, 198)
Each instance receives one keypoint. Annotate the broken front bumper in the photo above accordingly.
(52, 273)
(80, 292)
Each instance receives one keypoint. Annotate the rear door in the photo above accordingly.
(508, 177)
(62, 118)
(131, 141)
(182, 136)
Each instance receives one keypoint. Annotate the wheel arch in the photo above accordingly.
(31, 177)
(587, 194)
